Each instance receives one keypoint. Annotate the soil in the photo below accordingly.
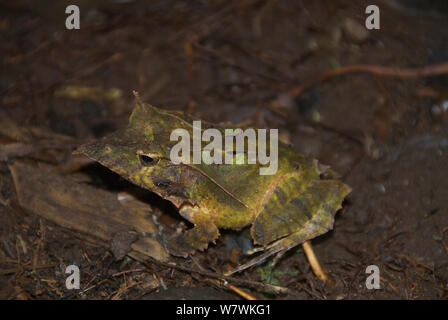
(238, 61)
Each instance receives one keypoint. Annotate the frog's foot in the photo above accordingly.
(257, 260)
(302, 218)
(278, 247)
(196, 238)
(254, 250)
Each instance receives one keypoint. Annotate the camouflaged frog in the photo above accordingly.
(283, 209)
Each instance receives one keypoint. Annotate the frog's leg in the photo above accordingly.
(196, 238)
(309, 252)
(296, 219)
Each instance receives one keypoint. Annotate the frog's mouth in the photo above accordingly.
(95, 151)
(116, 158)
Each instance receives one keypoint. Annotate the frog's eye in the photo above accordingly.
(147, 160)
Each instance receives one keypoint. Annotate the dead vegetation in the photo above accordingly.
(381, 123)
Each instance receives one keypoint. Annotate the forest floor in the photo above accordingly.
(233, 61)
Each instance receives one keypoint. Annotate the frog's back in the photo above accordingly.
(293, 201)
(300, 206)
(256, 191)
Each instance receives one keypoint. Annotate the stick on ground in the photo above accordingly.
(312, 259)
(433, 70)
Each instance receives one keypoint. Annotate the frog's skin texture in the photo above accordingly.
(284, 209)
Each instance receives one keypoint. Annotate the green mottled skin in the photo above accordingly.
(283, 209)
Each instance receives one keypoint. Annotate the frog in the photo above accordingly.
(282, 210)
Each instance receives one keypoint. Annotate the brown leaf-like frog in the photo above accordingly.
(283, 209)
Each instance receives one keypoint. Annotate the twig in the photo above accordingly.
(312, 259)
(433, 70)
(228, 62)
(137, 97)
(235, 289)
(119, 292)
(22, 268)
(20, 58)
(127, 271)
(384, 279)
(18, 149)
(83, 73)
(214, 275)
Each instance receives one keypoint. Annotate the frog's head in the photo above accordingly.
(140, 152)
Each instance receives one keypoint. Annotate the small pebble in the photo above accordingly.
(355, 31)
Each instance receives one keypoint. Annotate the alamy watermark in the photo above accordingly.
(373, 20)
(373, 280)
(72, 281)
(234, 151)
(73, 20)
